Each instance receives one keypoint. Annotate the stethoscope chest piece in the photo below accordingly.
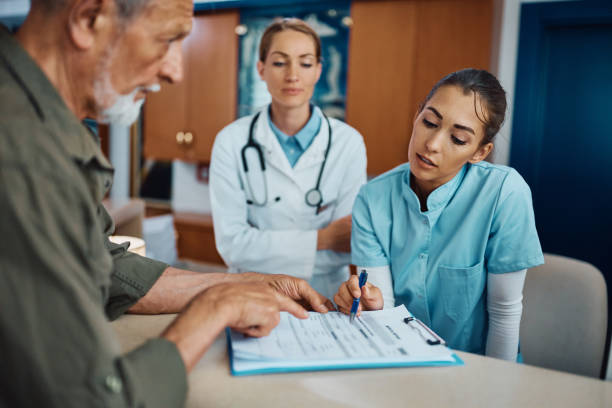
(314, 197)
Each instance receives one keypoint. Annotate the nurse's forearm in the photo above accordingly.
(504, 305)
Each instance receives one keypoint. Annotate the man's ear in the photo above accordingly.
(87, 19)
(482, 153)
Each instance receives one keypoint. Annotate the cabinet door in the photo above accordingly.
(212, 77)
(205, 101)
(164, 115)
(398, 50)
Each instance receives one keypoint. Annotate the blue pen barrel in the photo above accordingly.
(355, 305)
(363, 278)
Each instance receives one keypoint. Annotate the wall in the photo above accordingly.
(509, 13)
(397, 52)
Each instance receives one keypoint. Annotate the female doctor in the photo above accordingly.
(283, 181)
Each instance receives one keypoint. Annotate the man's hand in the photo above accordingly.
(371, 296)
(252, 308)
(336, 236)
(176, 287)
(292, 287)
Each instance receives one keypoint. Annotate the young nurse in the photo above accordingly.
(283, 181)
(446, 234)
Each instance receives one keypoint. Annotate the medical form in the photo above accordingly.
(382, 338)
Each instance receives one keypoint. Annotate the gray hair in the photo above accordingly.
(125, 8)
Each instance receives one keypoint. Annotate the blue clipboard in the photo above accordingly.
(251, 364)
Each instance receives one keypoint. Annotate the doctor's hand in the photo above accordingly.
(371, 296)
(336, 236)
(252, 308)
(295, 288)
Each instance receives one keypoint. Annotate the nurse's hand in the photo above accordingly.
(295, 288)
(336, 236)
(371, 296)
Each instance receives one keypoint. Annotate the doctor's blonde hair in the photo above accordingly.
(284, 24)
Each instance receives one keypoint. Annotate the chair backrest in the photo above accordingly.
(565, 316)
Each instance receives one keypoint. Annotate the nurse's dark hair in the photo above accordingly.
(284, 24)
(126, 9)
(489, 97)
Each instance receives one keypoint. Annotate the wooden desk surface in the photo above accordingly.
(482, 382)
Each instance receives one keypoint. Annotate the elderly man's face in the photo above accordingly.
(146, 53)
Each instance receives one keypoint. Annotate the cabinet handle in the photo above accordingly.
(188, 138)
(180, 137)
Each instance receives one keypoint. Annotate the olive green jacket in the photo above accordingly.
(60, 277)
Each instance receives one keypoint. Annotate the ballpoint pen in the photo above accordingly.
(363, 277)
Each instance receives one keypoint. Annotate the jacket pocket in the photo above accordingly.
(460, 289)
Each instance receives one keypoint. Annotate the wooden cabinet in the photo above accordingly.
(181, 121)
(398, 50)
(196, 239)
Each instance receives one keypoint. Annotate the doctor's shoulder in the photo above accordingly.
(235, 132)
(345, 132)
(348, 139)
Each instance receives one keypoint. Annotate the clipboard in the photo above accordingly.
(376, 339)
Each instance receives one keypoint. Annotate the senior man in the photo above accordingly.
(60, 277)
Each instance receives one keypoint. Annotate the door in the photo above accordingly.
(562, 130)
(205, 101)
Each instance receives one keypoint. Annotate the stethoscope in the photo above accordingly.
(313, 197)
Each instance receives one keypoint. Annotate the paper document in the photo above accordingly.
(330, 341)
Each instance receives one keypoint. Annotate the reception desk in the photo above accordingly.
(482, 382)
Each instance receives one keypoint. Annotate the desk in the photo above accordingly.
(482, 382)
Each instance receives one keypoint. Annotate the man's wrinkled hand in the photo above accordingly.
(295, 288)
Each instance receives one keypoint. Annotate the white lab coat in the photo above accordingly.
(281, 237)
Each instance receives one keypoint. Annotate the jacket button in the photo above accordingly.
(113, 384)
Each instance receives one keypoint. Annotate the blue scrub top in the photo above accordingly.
(479, 222)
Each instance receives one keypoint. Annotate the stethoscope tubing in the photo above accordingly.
(252, 144)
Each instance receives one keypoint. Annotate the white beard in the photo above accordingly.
(124, 109)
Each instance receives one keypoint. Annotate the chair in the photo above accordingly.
(565, 316)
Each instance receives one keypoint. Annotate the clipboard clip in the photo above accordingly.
(436, 339)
